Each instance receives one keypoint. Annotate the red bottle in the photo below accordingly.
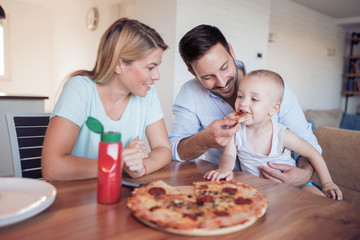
(109, 168)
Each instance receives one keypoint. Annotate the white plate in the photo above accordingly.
(22, 198)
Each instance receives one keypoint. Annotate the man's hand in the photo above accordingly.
(219, 133)
(294, 176)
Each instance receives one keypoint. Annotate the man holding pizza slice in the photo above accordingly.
(202, 104)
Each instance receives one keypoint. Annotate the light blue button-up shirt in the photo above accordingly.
(196, 107)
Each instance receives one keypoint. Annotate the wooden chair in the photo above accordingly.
(26, 133)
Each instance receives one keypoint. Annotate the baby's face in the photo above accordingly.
(256, 95)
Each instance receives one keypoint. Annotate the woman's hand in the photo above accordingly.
(133, 156)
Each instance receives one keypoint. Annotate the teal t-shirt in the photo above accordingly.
(80, 99)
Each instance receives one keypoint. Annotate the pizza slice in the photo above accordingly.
(229, 203)
(239, 117)
(165, 206)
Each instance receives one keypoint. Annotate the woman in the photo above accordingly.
(119, 92)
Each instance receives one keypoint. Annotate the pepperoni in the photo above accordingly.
(156, 191)
(204, 186)
(203, 199)
(191, 216)
(229, 190)
(243, 201)
(221, 213)
(154, 208)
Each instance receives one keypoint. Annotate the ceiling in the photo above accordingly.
(345, 12)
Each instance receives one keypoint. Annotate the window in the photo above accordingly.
(2, 48)
(4, 55)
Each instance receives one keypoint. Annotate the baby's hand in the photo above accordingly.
(216, 175)
(331, 190)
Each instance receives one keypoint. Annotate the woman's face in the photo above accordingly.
(138, 76)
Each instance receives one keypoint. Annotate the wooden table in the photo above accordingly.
(291, 214)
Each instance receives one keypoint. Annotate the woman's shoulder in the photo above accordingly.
(80, 81)
(81, 85)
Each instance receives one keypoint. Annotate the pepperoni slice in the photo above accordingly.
(243, 201)
(221, 213)
(229, 190)
(191, 216)
(156, 191)
(203, 199)
(154, 208)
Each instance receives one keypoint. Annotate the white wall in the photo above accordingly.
(163, 19)
(299, 52)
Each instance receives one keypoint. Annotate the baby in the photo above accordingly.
(261, 140)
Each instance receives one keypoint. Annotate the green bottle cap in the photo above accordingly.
(94, 125)
(111, 137)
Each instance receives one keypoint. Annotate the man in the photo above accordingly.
(202, 103)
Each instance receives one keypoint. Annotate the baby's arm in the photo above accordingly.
(297, 144)
(226, 164)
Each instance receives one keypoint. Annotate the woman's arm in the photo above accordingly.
(137, 161)
(160, 154)
(57, 161)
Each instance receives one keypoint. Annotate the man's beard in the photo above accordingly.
(235, 81)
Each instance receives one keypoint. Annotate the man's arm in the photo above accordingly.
(198, 123)
(216, 135)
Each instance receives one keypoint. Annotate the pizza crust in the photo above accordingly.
(200, 232)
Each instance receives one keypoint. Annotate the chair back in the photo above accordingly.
(341, 153)
(26, 133)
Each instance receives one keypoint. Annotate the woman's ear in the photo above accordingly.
(119, 67)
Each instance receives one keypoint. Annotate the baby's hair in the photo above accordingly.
(275, 77)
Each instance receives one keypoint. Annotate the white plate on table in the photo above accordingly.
(22, 198)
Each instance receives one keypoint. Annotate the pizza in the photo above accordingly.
(206, 208)
(239, 117)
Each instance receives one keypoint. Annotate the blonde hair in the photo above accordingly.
(126, 39)
(275, 77)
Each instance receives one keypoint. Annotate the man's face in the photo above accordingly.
(216, 70)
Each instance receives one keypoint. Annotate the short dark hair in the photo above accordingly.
(195, 43)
